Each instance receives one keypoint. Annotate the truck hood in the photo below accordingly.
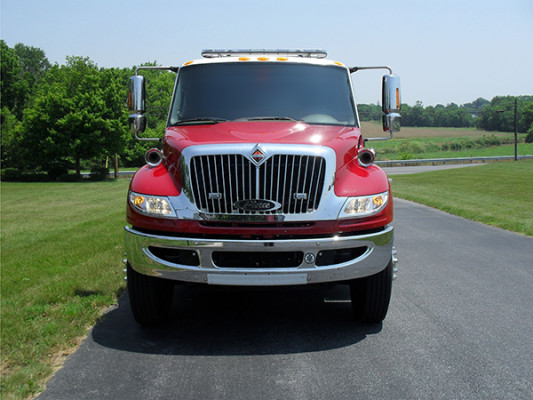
(343, 140)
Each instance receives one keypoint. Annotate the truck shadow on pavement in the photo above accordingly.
(229, 321)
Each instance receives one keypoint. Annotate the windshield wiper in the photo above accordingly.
(268, 119)
(200, 120)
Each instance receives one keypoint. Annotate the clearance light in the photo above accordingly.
(263, 58)
(157, 206)
(244, 58)
(364, 206)
(282, 58)
(397, 98)
(188, 63)
(339, 63)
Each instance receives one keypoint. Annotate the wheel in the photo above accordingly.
(150, 297)
(371, 296)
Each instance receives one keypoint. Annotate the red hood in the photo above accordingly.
(350, 178)
(343, 140)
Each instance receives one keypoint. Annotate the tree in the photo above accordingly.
(9, 127)
(499, 114)
(22, 67)
(77, 114)
(11, 87)
(370, 112)
(33, 60)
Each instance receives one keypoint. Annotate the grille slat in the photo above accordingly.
(220, 181)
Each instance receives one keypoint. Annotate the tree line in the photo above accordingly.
(56, 118)
(494, 115)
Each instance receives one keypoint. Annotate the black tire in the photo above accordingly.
(371, 296)
(150, 298)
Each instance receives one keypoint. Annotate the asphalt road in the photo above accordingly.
(460, 326)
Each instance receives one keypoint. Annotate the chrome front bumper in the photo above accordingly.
(378, 253)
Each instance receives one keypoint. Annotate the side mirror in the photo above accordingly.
(391, 94)
(137, 104)
(137, 123)
(137, 94)
(391, 122)
(391, 103)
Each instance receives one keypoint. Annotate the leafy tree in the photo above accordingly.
(369, 112)
(11, 87)
(499, 114)
(9, 127)
(77, 114)
(33, 60)
(22, 67)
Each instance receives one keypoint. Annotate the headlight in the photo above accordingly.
(364, 206)
(158, 206)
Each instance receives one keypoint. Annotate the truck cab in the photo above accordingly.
(262, 178)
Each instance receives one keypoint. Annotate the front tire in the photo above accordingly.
(371, 296)
(150, 298)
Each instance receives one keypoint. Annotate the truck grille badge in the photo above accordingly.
(258, 155)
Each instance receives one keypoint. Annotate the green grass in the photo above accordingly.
(62, 246)
(493, 151)
(426, 143)
(499, 194)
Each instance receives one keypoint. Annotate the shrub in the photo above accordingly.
(57, 170)
(99, 172)
(11, 174)
(404, 155)
(529, 137)
(16, 175)
(409, 147)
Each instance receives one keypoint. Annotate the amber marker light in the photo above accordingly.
(188, 63)
(397, 98)
(244, 58)
(282, 58)
(339, 63)
(138, 200)
(263, 58)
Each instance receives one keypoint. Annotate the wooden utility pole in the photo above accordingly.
(516, 128)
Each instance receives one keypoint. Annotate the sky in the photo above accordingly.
(443, 50)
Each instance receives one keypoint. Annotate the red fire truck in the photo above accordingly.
(262, 178)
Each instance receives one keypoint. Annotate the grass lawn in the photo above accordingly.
(499, 194)
(412, 142)
(61, 258)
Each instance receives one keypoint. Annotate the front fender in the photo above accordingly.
(353, 180)
(155, 181)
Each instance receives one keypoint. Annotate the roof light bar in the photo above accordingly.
(307, 53)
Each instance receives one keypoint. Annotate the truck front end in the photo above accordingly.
(263, 180)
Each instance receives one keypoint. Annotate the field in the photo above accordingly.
(422, 143)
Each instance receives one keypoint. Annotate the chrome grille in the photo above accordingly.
(294, 181)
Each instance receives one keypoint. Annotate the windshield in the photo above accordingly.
(263, 91)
